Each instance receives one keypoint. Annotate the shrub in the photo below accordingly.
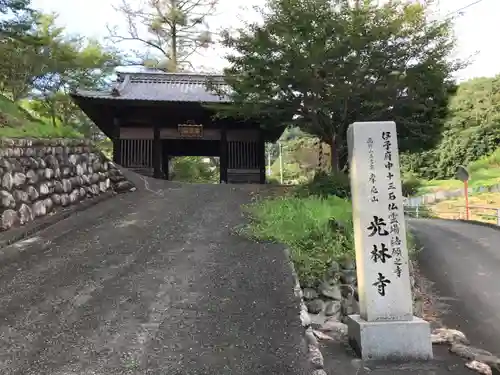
(410, 185)
(325, 185)
(338, 184)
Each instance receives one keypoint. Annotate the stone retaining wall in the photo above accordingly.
(38, 176)
(337, 295)
(324, 309)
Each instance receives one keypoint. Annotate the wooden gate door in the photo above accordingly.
(243, 162)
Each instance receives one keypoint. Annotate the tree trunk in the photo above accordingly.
(53, 113)
(344, 159)
(173, 40)
(16, 96)
(334, 154)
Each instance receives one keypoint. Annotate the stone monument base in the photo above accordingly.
(390, 340)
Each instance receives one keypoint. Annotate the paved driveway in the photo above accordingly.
(463, 260)
(149, 283)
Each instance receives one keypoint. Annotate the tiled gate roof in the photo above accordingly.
(167, 87)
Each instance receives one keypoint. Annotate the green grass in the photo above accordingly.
(308, 227)
(16, 122)
(483, 172)
(312, 221)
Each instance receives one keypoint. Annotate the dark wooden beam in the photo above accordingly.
(165, 152)
(117, 150)
(261, 149)
(157, 154)
(172, 120)
(223, 155)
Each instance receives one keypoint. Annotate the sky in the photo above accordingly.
(474, 28)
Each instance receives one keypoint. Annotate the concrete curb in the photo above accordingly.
(480, 223)
(17, 234)
(313, 354)
(472, 222)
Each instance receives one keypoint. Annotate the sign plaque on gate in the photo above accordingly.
(190, 130)
(385, 327)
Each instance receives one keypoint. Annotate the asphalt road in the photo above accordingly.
(463, 261)
(149, 283)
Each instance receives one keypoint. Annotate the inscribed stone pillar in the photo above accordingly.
(386, 323)
(379, 225)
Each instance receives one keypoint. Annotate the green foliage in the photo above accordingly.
(473, 127)
(486, 162)
(326, 185)
(410, 185)
(317, 231)
(16, 17)
(322, 65)
(70, 63)
(471, 131)
(194, 169)
(290, 139)
(15, 121)
(300, 154)
(338, 184)
(106, 147)
(45, 64)
(418, 163)
(483, 173)
(291, 171)
(292, 133)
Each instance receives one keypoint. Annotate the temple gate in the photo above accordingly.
(152, 117)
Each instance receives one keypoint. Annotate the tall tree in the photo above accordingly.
(16, 17)
(471, 130)
(17, 20)
(171, 30)
(46, 70)
(323, 64)
(71, 63)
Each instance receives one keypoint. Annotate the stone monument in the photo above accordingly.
(385, 329)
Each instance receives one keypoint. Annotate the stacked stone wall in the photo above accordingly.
(39, 176)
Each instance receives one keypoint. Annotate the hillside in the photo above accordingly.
(484, 172)
(484, 203)
(16, 121)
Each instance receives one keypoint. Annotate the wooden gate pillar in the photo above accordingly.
(117, 149)
(165, 157)
(261, 156)
(223, 161)
(157, 156)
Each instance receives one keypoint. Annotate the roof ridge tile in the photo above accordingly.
(160, 88)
